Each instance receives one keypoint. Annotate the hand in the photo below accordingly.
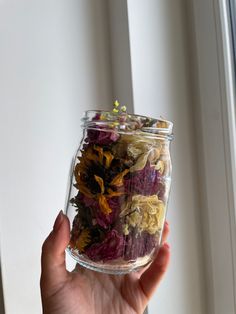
(85, 291)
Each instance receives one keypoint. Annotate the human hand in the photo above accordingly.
(85, 291)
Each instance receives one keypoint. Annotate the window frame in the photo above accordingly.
(232, 20)
(215, 124)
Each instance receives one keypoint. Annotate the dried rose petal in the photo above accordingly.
(112, 247)
(102, 219)
(139, 245)
(145, 182)
(101, 137)
(106, 220)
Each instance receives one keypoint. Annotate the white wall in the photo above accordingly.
(120, 52)
(55, 62)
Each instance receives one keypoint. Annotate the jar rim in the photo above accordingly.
(127, 123)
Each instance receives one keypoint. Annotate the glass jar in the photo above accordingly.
(119, 189)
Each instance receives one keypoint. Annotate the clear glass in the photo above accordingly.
(119, 189)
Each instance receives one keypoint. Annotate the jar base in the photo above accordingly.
(113, 269)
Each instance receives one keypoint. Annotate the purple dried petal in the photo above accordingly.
(96, 117)
(112, 247)
(88, 201)
(106, 220)
(102, 219)
(101, 137)
(145, 182)
(139, 245)
(114, 136)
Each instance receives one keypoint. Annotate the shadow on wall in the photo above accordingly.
(2, 308)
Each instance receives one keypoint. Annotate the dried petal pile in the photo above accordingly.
(122, 183)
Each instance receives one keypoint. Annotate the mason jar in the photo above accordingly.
(119, 188)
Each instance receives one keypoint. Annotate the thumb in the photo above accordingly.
(54, 271)
(150, 279)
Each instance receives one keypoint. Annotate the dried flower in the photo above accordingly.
(146, 213)
(112, 247)
(104, 220)
(146, 181)
(121, 187)
(139, 151)
(125, 229)
(104, 205)
(101, 137)
(97, 176)
(123, 108)
(160, 166)
(139, 245)
(83, 240)
(118, 180)
(116, 104)
(162, 124)
(100, 218)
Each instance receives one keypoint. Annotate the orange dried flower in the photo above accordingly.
(104, 206)
(83, 240)
(97, 176)
(100, 182)
(118, 180)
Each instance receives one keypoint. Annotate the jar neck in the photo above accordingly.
(129, 124)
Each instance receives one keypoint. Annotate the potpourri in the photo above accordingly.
(122, 178)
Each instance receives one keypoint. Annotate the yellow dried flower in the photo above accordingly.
(146, 213)
(103, 204)
(83, 240)
(162, 124)
(100, 183)
(103, 116)
(100, 153)
(144, 151)
(123, 108)
(109, 157)
(81, 186)
(134, 219)
(125, 229)
(116, 103)
(140, 163)
(112, 193)
(118, 180)
(160, 166)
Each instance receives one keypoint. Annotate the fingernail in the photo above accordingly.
(58, 221)
(166, 245)
(166, 223)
